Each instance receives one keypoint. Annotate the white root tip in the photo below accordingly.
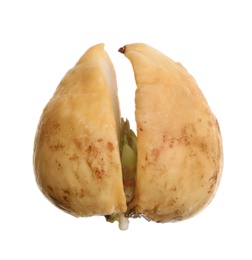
(123, 222)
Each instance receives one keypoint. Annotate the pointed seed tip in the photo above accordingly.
(122, 49)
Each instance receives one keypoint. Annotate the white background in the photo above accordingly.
(41, 40)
